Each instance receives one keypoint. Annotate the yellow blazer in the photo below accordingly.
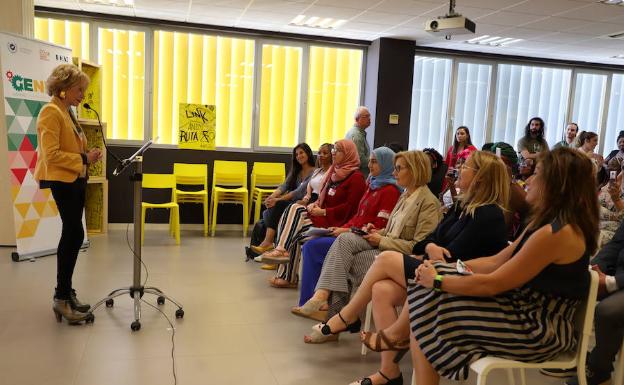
(60, 144)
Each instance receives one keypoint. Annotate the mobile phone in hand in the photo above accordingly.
(358, 231)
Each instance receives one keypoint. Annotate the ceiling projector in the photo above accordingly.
(451, 24)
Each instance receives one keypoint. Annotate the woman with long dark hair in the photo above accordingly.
(527, 294)
(462, 145)
(301, 169)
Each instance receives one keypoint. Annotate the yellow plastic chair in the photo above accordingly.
(265, 178)
(229, 185)
(162, 181)
(193, 175)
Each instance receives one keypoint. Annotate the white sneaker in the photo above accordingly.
(258, 258)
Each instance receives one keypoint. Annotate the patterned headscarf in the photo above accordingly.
(340, 171)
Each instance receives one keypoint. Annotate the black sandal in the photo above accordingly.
(351, 328)
(394, 381)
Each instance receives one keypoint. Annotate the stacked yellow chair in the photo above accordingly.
(229, 185)
(265, 178)
(162, 181)
(195, 175)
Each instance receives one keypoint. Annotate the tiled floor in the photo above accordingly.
(236, 330)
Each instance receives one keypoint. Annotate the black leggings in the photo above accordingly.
(70, 200)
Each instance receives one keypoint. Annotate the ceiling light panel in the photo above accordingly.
(114, 3)
(493, 41)
(317, 22)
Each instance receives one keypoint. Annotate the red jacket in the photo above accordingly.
(451, 159)
(375, 207)
(341, 201)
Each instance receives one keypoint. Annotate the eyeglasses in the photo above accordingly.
(398, 168)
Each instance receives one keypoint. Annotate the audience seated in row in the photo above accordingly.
(341, 190)
(415, 215)
(374, 208)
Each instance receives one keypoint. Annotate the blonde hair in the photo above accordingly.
(418, 164)
(490, 184)
(64, 77)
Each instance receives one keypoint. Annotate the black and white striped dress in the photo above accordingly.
(533, 323)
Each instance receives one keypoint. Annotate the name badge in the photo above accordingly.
(331, 192)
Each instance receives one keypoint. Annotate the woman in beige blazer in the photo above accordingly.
(62, 159)
(415, 215)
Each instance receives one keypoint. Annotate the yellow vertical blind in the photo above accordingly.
(72, 34)
(122, 56)
(202, 69)
(333, 93)
(280, 95)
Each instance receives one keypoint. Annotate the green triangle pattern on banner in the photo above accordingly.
(22, 109)
(34, 106)
(32, 127)
(16, 126)
(33, 139)
(9, 121)
(14, 104)
(14, 142)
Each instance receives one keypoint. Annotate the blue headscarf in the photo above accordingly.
(385, 159)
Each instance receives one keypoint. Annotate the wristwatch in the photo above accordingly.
(437, 282)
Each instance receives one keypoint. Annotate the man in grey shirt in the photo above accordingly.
(358, 135)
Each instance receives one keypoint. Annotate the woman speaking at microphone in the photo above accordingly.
(62, 159)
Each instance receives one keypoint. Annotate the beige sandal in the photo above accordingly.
(311, 309)
(276, 256)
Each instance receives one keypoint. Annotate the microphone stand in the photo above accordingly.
(137, 290)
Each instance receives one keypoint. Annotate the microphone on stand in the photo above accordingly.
(88, 107)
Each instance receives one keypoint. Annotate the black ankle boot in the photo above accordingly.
(76, 304)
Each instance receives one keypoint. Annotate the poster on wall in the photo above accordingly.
(24, 66)
(197, 126)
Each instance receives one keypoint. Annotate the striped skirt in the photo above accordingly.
(293, 224)
(522, 324)
(344, 268)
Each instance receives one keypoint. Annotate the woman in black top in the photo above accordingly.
(475, 226)
(519, 304)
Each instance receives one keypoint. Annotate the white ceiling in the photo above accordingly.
(557, 29)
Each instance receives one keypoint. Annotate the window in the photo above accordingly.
(471, 101)
(122, 56)
(334, 85)
(202, 69)
(72, 34)
(430, 96)
(589, 93)
(615, 120)
(280, 95)
(523, 92)
(301, 91)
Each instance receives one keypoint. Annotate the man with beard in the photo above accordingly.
(533, 142)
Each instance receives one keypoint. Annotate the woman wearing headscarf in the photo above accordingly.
(374, 208)
(342, 188)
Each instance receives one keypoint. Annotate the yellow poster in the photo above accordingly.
(197, 124)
